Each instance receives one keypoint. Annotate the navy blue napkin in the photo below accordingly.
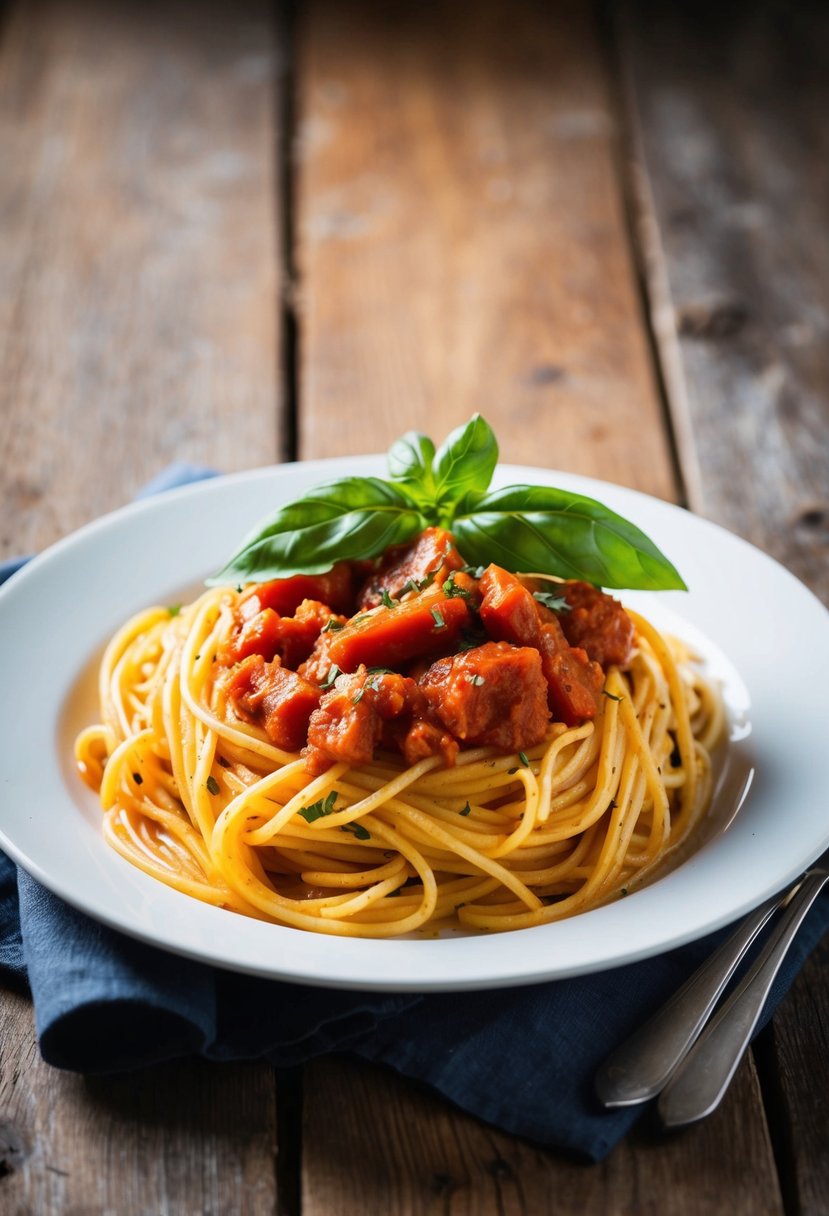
(521, 1059)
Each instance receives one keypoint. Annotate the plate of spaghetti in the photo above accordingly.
(394, 743)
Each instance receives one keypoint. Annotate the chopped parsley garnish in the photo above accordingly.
(332, 625)
(387, 600)
(333, 672)
(466, 809)
(212, 785)
(523, 758)
(437, 616)
(556, 603)
(138, 779)
(451, 589)
(473, 571)
(174, 609)
(359, 694)
(357, 830)
(380, 671)
(318, 810)
(611, 695)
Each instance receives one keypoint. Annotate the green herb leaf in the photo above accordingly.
(174, 609)
(451, 589)
(388, 602)
(332, 625)
(331, 675)
(556, 603)
(611, 696)
(466, 809)
(356, 517)
(464, 462)
(318, 810)
(437, 617)
(357, 830)
(212, 785)
(552, 531)
(409, 461)
(522, 756)
(523, 528)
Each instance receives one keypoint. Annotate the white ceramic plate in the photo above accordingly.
(761, 631)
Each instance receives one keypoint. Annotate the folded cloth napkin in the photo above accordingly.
(521, 1059)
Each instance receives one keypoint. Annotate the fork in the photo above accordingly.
(671, 1054)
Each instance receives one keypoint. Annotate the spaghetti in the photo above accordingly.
(203, 800)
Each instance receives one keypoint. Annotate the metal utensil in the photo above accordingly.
(699, 1083)
(639, 1068)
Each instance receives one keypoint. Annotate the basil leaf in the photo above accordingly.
(409, 461)
(465, 462)
(538, 528)
(355, 517)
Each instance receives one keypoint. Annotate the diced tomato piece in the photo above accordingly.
(389, 637)
(277, 699)
(258, 635)
(424, 739)
(290, 637)
(284, 595)
(574, 682)
(508, 610)
(348, 723)
(431, 556)
(598, 623)
(493, 694)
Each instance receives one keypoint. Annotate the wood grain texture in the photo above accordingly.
(138, 315)
(733, 191)
(184, 1138)
(799, 1067)
(400, 1149)
(461, 239)
(138, 261)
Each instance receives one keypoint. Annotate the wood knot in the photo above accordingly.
(711, 320)
(499, 1168)
(13, 1150)
(442, 1183)
(546, 373)
(813, 518)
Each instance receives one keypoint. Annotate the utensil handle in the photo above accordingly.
(703, 1077)
(638, 1069)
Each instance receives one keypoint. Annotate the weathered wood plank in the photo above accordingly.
(139, 324)
(461, 239)
(185, 1137)
(138, 234)
(399, 1149)
(461, 245)
(800, 1091)
(733, 197)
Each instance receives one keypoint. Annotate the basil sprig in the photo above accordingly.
(529, 528)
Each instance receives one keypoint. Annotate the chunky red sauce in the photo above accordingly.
(417, 655)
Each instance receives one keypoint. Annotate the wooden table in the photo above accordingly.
(233, 234)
